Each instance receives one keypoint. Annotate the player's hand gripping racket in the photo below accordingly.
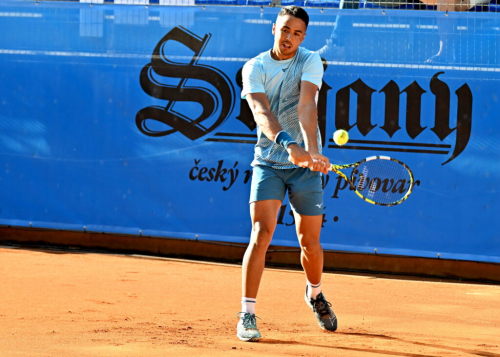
(380, 180)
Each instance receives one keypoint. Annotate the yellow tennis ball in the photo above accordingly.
(340, 137)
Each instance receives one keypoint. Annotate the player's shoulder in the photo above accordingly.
(258, 60)
(305, 52)
(309, 55)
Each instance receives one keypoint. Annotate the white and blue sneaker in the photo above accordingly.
(247, 327)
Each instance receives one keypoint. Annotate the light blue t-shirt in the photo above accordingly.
(280, 81)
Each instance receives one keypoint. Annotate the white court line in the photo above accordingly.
(242, 59)
(19, 14)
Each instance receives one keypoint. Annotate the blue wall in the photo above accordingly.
(128, 119)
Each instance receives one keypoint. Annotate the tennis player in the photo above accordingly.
(281, 87)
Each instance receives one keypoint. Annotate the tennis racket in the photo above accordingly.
(379, 180)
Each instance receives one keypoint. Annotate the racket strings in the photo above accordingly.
(382, 181)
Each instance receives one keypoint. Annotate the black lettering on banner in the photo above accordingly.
(161, 65)
(361, 181)
(391, 120)
(324, 218)
(442, 108)
(375, 183)
(414, 128)
(413, 109)
(216, 174)
(442, 114)
(363, 107)
(324, 180)
(387, 184)
(341, 185)
(400, 187)
(248, 176)
(281, 214)
(223, 103)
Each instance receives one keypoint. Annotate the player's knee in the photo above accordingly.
(262, 229)
(261, 235)
(310, 245)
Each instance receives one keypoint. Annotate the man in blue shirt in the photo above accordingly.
(281, 87)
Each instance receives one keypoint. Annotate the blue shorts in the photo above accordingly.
(305, 189)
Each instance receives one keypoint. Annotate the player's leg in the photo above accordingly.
(311, 256)
(306, 198)
(266, 195)
(305, 191)
(308, 232)
(264, 217)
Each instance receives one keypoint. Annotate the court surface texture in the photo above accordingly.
(64, 303)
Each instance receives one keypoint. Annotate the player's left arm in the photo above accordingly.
(308, 119)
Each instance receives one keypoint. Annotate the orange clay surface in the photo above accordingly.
(59, 303)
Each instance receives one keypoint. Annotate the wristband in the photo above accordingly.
(283, 139)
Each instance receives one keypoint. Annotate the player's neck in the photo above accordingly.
(277, 56)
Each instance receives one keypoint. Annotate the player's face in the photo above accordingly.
(289, 32)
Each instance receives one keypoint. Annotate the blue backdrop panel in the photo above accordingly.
(128, 119)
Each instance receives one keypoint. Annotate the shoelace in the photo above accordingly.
(249, 320)
(321, 306)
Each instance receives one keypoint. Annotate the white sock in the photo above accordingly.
(248, 305)
(313, 290)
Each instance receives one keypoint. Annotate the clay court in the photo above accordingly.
(64, 303)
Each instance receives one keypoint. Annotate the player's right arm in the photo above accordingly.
(270, 126)
(262, 114)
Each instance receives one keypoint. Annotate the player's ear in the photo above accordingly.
(274, 29)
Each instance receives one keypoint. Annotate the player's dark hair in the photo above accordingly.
(296, 11)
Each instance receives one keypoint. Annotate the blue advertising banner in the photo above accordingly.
(128, 119)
